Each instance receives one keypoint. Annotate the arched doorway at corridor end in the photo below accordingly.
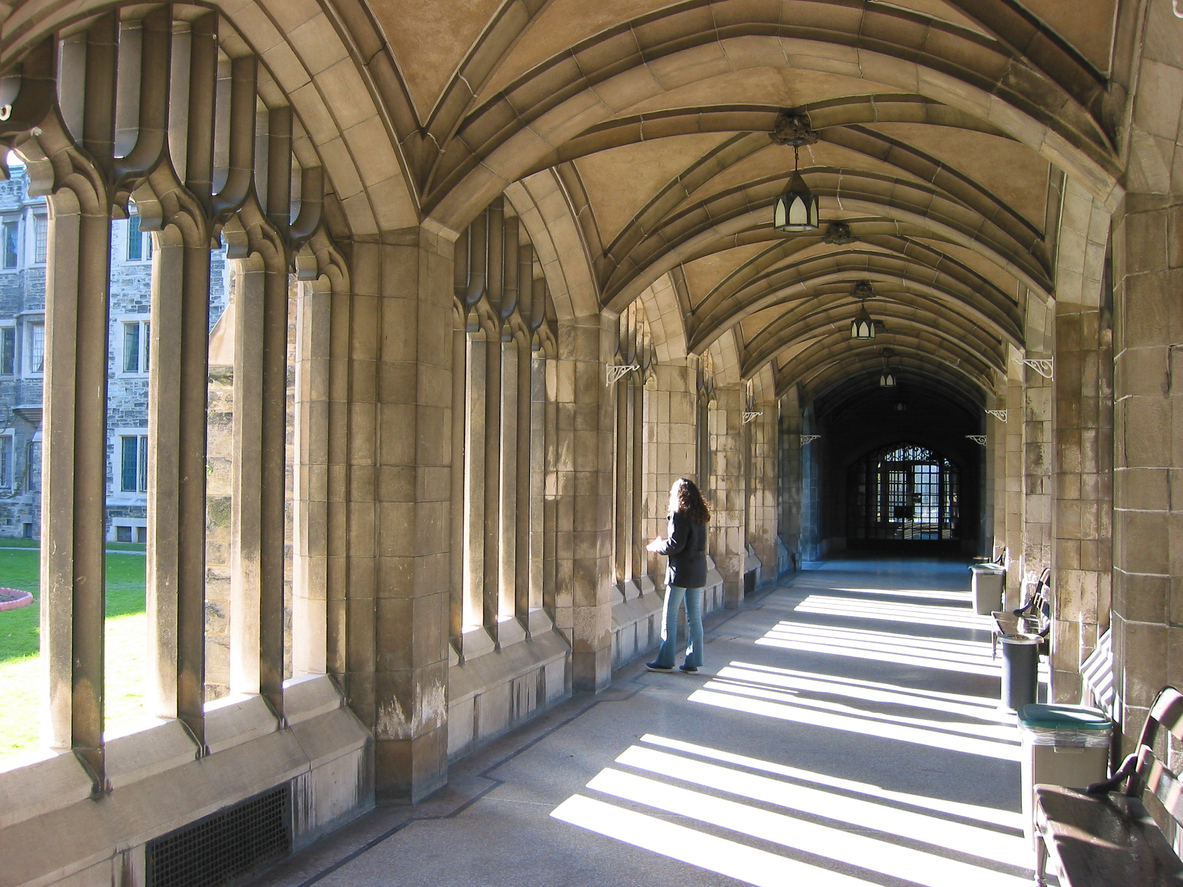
(904, 496)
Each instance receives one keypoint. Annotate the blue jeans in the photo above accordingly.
(669, 630)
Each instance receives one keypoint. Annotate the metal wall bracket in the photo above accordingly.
(616, 373)
(809, 438)
(1000, 415)
(979, 439)
(1041, 365)
(750, 416)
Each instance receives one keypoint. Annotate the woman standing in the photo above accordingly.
(686, 548)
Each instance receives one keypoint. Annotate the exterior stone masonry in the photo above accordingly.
(22, 310)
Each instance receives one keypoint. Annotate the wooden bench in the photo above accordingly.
(1104, 836)
(1032, 620)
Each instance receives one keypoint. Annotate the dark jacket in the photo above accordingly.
(686, 547)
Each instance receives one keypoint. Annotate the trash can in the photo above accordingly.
(987, 582)
(1062, 745)
(1020, 670)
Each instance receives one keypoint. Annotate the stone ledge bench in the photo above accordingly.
(1104, 836)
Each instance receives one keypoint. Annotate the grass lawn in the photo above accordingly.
(20, 660)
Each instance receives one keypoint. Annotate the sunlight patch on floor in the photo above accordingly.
(996, 732)
(960, 597)
(881, 647)
(989, 816)
(841, 845)
(910, 614)
(764, 822)
(836, 829)
(968, 839)
(882, 694)
(726, 857)
(985, 709)
(858, 724)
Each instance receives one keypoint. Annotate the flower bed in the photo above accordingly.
(12, 598)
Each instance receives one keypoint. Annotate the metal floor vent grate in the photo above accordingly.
(233, 842)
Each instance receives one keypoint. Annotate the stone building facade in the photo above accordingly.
(24, 226)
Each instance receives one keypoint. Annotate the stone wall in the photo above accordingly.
(160, 782)
(762, 488)
(789, 497)
(1084, 491)
(22, 303)
(728, 490)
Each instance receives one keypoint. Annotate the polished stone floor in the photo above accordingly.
(845, 730)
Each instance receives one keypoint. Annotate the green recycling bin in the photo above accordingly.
(1062, 745)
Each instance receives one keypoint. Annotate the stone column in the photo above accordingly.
(763, 483)
(638, 557)
(257, 504)
(1038, 446)
(490, 451)
(583, 489)
(622, 465)
(310, 485)
(457, 620)
(75, 356)
(546, 400)
(73, 580)
(525, 553)
(400, 487)
(343, 653)
(476, 637)
(727, 543)
(669, 453)
(1083, 559)
(509, 630)
(989, 484)
(542, 515)
(996, 446)
(811, 470)
(177, 399)
(789, 500)
(1013, 478)
(1148, 452)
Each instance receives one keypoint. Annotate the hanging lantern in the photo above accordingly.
(796, 210)
(862, 327)
(887, 377)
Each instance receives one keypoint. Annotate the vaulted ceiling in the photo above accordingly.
(947, 128)
(948, 133)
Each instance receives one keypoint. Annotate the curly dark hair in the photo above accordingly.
(687, 498)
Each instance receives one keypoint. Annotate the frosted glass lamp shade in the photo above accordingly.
(796, 210)
(862, 327)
